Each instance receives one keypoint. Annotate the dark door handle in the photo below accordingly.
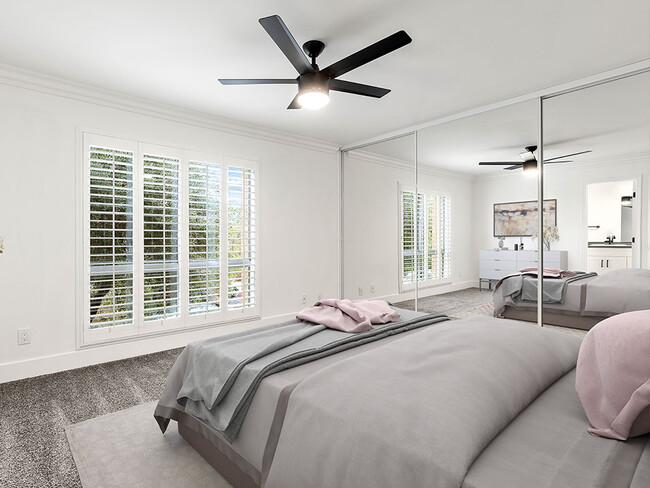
(601, 263)
(608, 263)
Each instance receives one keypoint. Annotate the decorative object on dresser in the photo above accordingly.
(494, 265)
(519, 219)
(549, 234)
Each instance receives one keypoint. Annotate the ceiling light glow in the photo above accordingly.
(313, 99)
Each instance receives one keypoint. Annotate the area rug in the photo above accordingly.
(127, 449)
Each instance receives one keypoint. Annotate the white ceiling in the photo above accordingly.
(612, 120)
(464, 54)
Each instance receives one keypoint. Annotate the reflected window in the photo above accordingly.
(427, 220)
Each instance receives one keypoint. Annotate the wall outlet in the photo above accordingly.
(24, 336)
(304, 298)
(372, 289)
(360, 291)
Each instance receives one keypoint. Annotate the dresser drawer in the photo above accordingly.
(490, 255)
(508, 266)
(493, 274)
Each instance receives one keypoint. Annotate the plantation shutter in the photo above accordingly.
(444, 216)
(433, 222)
(408, 237)
(160, 232)
(204, 206)
(242, 236)
(110, 215)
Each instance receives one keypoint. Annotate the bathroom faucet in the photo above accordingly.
(610, 239)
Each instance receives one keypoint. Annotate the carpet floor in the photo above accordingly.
(34, 451)
(457, 304)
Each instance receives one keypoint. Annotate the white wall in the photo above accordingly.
(298, 237)
(371, 226)
(568, 185)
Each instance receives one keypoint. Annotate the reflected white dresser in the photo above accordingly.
(494, 265)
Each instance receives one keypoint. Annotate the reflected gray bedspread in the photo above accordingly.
(619, 291)
(419, 411)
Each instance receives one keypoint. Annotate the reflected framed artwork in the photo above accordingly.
(519, 219)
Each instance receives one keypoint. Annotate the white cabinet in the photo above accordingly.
(602, 260)
(494, 265)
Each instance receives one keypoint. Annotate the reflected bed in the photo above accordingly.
(586, 302)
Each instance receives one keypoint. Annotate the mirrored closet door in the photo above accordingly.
(464, 185)
(378, 223)
(597, 168)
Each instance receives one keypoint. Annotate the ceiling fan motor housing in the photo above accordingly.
(314, 82)
(313, 49)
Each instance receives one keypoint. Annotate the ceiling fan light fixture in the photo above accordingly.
(313, 98)
(530, 168)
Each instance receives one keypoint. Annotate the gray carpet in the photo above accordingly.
(456, 304)
(34, 451)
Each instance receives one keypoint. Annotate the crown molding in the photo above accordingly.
(29, 80)
(407, 165)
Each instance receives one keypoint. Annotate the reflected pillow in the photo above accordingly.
(613, 376)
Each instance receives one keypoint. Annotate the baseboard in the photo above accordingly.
(429, 291)
(30, 368)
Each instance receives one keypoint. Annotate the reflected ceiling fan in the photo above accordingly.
(313, 83)
(529, 162)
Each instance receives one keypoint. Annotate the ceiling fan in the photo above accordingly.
(313, 83)
(529, 162)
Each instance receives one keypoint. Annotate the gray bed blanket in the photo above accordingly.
(453, 388)
(219, 391)
(619, 291)
(524, 287)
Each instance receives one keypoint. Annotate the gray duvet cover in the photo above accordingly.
(418, 411)
(473, 403)
(234, 366)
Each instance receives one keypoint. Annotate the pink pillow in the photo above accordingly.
(613, 376)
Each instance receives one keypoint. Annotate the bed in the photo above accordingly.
(586, 302)
(490, 403)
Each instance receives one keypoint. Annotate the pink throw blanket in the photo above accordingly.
(349, 315)
(613, 376)
(546, 273)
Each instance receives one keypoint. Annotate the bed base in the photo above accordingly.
(218, 460)
(551, 318)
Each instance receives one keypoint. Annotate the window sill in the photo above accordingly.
(167, 332)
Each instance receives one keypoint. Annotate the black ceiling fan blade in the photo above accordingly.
(498, 163)
(553, 162)
(370, 53)
(358, 88)
(567, 155)
(280, 34)
(294, 103)
(268, 81)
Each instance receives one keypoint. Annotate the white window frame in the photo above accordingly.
(139, 328)
(424, 283)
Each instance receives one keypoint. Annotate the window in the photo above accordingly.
(167, 244)
(431, 213)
